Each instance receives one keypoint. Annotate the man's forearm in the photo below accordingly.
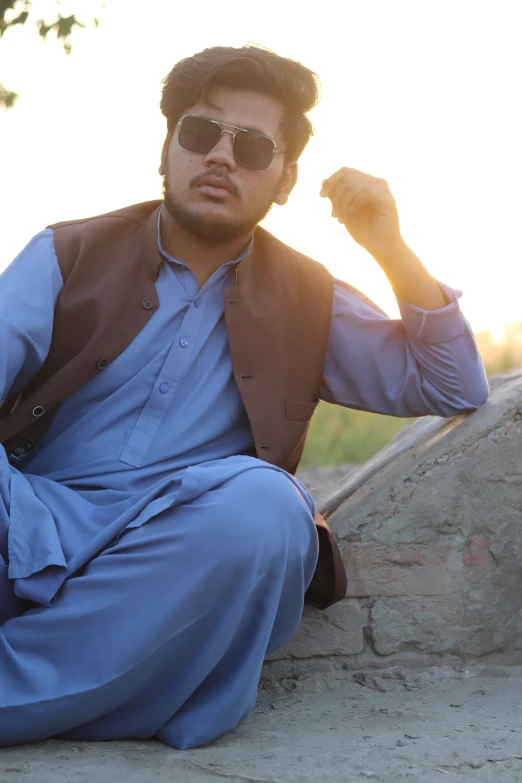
(366, 207)
(410, 279)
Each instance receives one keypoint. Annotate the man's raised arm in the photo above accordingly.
(425, 363)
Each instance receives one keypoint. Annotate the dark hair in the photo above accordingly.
(250, 67)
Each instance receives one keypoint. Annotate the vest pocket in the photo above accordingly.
(296, 410)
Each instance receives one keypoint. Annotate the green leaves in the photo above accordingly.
(20, 19)
(18, 12)
(9, 5)
(63, 27)
(43, 28)
(7, 97)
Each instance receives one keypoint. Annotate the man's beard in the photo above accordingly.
(204, 227)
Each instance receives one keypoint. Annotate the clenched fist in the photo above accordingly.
(365, 205)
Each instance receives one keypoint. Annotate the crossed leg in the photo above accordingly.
(164, 633)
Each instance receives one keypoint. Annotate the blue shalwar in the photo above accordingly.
(147, 562)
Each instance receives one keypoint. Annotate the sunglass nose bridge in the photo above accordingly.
(230, 149)
(224, 130)
(224, 125)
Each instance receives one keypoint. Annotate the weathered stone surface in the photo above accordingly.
(336, 631)
(442, 625)
(400, 569)
(431, 534)
(428, 624)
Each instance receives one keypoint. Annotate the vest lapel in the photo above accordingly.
(254, 319)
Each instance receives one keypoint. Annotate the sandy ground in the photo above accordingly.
(437, 725)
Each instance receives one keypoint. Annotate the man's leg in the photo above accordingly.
(165, 632)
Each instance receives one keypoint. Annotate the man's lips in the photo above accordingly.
(215, 186)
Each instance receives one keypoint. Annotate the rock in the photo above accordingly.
(336, 631)
(322, 479)
(375, 683)
(431, 534)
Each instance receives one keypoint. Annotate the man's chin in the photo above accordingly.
(208, 222)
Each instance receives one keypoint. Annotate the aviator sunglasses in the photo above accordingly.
(252, 150)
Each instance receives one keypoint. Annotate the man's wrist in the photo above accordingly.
(396, 255)
(409, 278)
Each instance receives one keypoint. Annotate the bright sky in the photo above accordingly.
(425, 94)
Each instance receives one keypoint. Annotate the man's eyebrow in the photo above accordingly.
(252, 128)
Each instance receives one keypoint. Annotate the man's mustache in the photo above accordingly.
(221, 173)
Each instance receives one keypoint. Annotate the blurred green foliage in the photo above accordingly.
(342, 435)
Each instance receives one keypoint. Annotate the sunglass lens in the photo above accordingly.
(253, 151)
(197, 134)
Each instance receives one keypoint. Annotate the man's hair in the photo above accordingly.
(248, 67)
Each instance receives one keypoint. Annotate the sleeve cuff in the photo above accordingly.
(434, 326)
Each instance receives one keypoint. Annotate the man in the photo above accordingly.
(159, 369)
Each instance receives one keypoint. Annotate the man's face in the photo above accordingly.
(194, 201)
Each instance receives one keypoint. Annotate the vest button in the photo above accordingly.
(102, 364)
(38, 411)
(148, 304)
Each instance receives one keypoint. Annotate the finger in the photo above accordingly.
(362, 199)
(353, 177)
(330, 183)
(339, 192)
(344, 207)
(349, 201)
(375, 193)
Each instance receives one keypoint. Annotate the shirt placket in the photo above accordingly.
(177, 362)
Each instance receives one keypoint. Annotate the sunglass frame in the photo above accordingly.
(222, 126)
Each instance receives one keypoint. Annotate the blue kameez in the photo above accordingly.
(147, 565)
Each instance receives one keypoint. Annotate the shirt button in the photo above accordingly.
(164, 387)
(183, 342)
(197, 302)
(148, 304)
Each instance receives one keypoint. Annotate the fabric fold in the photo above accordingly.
(44, 550)
(36, 560)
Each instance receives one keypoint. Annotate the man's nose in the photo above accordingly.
(222, 153)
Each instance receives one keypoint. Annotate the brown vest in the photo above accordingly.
(277, 317)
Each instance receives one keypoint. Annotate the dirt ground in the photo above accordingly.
(438, 725)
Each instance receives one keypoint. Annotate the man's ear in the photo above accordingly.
(287, 183)
(163, 165)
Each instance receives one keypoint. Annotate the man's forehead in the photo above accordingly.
(241, 108)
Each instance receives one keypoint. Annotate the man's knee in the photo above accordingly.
(261, 509)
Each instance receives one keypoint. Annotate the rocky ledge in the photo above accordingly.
(431, 535)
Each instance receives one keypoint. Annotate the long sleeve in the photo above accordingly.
(29, 288)
(425, 363)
